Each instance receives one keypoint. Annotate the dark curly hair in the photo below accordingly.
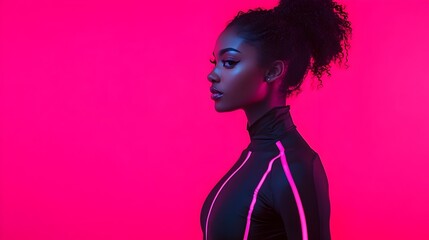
(308, 34)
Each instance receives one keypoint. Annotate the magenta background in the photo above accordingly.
(108, 130)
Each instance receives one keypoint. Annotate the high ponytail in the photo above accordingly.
(308, 34)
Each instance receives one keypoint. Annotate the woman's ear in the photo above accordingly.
(277, 70)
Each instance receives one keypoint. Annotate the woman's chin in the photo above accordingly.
(220, 107)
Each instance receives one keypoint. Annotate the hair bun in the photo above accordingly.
(323, 24)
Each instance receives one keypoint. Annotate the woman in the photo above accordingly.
(278, 188)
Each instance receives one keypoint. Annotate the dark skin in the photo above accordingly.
(244, 82)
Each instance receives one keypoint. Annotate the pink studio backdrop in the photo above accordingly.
(107, 129)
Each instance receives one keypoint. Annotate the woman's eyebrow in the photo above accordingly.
(222, 51)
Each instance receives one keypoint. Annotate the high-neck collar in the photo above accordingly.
(272, 125)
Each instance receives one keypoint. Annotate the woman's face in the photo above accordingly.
(236, 73)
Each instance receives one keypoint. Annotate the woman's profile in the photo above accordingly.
(278, 188)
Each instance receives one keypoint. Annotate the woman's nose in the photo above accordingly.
(212, 77)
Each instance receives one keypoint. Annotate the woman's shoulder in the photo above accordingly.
(295, 146)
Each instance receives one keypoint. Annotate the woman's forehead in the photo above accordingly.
(229, 39)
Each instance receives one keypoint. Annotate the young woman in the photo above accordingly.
(278, 188)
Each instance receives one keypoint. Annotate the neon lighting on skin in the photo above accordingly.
(255, 195)
(220, 189)
(294, 190)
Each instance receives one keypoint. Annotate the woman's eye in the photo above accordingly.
(225, 63)
(229, 63)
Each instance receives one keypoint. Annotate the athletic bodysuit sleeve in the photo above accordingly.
(300, 197)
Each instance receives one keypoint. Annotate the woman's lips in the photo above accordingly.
(216, 94)
(214, 90)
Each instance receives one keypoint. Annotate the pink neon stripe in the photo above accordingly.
(294, 190)
(220, 189)
(255, 195)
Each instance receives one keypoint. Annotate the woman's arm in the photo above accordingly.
(301, 196)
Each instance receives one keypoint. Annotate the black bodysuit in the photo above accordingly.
(277, 189)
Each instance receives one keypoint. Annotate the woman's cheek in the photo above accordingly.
(252, 85)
